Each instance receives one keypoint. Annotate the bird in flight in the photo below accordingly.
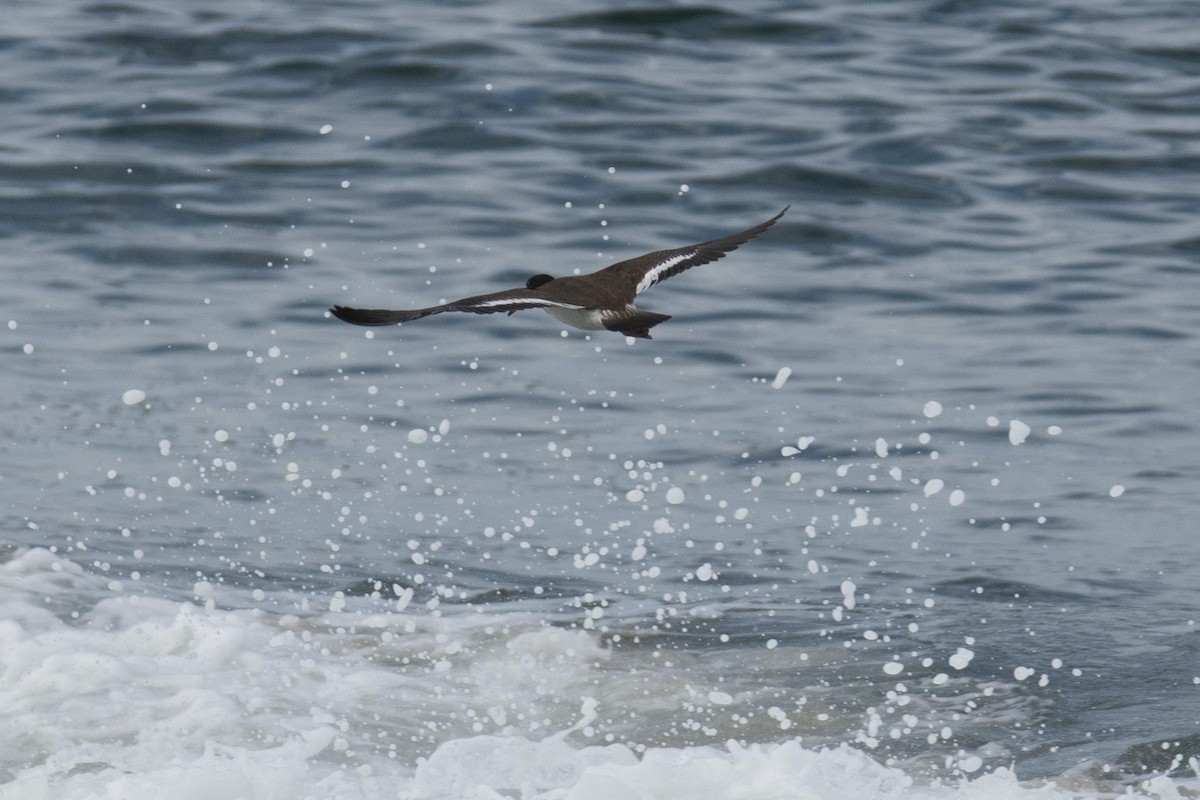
(601, 300)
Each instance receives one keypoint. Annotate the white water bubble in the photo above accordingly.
(1018, 431)
(933, 486)
(404, 596)
(720, 698)
(418, 436)
(781, 377)
(848, 589)
(132, 397)
(325, 129)
(970, 764)
(705, 572)
(1116, 490)
(961, 658)
(893, 668)
(801, 445)
(881, 447)
(958, 497)
(675, 495)
(221, 435)
(932, 409)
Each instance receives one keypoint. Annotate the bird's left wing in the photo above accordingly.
(509, 300)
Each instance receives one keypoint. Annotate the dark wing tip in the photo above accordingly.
(759, 228)
(718, 247)
(376, 316)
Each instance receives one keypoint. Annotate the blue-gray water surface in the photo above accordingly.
(915, 471)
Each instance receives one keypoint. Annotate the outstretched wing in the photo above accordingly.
(662, 264)
(510, 300)
(381, 316)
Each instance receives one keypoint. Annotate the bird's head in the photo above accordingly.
(538, 280)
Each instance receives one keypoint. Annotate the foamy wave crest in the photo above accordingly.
(105, 694)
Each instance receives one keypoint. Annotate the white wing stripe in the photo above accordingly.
(522, 301)
(654, 273)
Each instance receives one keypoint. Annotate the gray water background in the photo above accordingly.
(993, 205)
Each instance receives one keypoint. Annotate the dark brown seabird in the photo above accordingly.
(601, 300)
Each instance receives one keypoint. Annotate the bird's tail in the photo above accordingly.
(381, 316)
(637, 325)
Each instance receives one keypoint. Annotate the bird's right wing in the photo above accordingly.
(655, 267)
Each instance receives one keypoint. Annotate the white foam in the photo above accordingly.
(513, 767)
(132, 397)
(111, 695)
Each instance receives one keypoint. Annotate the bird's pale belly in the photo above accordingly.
(587, 319)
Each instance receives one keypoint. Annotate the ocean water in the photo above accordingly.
(902, 502)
